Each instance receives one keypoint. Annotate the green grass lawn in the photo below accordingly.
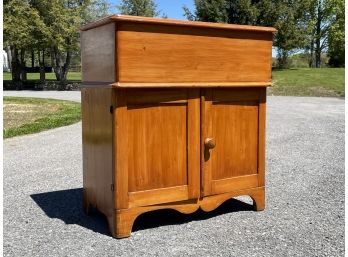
(294, 82)
(72, 76)
(308, 82)
(24, 115)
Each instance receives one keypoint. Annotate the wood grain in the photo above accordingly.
(190, 84)
(125, 218)
(235, 130)
(156, 96)
(210, 203)
(158, 196)
(157, 156)
(158, 135)
(97, 141)
(193, 143)
(98, 54)
(262, 138)
(207, 128)
(235, 95)
(215, 57)
(232, 120)
(173, 115)
(234, 183)
(218, 186)
(121, 146)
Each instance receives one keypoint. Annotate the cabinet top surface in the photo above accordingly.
(172, 22)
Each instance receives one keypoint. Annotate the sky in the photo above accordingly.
(172, 8)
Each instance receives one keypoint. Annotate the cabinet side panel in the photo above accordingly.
(262, 138)
(97, 148)
(98, 54)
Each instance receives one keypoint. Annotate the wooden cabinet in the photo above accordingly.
(173, 115)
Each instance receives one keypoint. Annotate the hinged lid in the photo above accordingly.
(173, 22)
(141, 52)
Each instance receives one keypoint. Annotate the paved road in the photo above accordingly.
(62, 95)
(305, 197)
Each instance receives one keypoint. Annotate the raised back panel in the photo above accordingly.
(98, 54)
(162, 53)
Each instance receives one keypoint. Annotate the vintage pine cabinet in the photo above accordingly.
(173, 115)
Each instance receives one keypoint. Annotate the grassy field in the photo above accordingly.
(73, 76)
(308, 82)
(30, 115)
(294, 82)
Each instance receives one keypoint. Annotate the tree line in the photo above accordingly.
(38, 27)
(313, 27)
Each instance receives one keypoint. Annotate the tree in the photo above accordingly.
(246, 12)
(225, 11)
(95, 10)
(336, 35)
(47, 26)
(292, 28)
(322, 15)
(63, 18)
(286, 16)
(210, 11)
(23, 30)
(43, 41)
(146, 8)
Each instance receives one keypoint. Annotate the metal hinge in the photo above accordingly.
(111, 109)
(112, 187)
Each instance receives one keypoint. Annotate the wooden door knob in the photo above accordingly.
(209, 143)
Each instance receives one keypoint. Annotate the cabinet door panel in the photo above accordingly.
(235, 132)
(158, 133)
(157, 156)
(232, 119)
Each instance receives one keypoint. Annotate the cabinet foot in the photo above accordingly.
(124, 223)
(125, 218)
(210, 203)
(258, 199)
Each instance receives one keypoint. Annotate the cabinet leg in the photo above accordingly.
(125, 218)
(124, 223)
(258, 199)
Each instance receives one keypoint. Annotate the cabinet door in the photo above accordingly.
(157, 139)
(233, 140)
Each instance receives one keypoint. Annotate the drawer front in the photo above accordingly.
(157, 146)
(233, 140)
(169, 54)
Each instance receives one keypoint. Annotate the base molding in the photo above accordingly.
(124, 218)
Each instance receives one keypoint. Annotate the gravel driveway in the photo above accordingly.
(304, 215)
